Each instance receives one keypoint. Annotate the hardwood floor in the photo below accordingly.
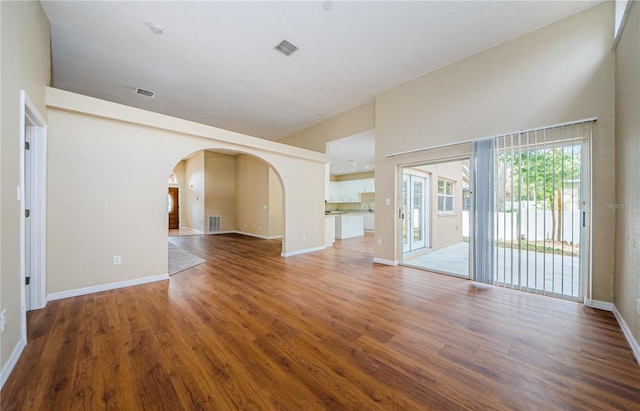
(250, 330)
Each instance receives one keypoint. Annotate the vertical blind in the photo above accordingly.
(529, 209)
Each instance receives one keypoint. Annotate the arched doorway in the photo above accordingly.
(222, 192)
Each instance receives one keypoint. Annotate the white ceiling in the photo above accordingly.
(215, 63)
(354, 154)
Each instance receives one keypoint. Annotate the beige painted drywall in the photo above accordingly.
(179, 172)
(276, 210)
(562, 72)
(126, 206)
(193, 195)
(346, 124)
(25, 65)
(220, 189)
(252, 196)
(627, 204)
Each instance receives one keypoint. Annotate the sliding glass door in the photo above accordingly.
(540, 215)
(515, 215)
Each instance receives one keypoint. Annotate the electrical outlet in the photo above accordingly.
(3, 321)
(379, 241)
(304, 237)
(117, 260)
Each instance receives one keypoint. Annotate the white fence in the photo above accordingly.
(535, 225)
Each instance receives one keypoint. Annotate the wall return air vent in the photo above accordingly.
(145, 93)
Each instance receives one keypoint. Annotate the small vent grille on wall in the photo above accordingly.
(145, 93)
(215, 223)
(286, 48)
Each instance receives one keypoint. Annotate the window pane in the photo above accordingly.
(449, 188)
(441, 186)
(449, 203)
(440, 203)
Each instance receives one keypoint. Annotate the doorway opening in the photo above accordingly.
(32, 196)
(435, 216)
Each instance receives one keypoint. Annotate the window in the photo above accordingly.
(445, 196)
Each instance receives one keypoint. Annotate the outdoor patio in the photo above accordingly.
(547, 273)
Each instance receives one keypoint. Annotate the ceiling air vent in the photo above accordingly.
(286, 48)
(145, 93)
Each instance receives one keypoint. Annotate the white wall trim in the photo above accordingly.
(105, 287)
(600, 305)
(304, 251)
(11, 363)
(635, 347)
(264, 237)
(385, 261)
(221, 232)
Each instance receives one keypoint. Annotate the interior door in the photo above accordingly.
(173, 208)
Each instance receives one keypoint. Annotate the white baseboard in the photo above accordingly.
(635, 347)
(105, 287)
(304, 251)
(11, 363)
(385, 261)
(264, 237)
(600, 305)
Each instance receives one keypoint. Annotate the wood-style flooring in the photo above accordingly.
(250, 330)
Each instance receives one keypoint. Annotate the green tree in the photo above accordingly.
(540, 176)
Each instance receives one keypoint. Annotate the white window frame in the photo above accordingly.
(445, 196)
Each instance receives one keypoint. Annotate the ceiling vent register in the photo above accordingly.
(145, 93)
(286, 48)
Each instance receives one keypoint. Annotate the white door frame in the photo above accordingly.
(31, 118)
(410, 173)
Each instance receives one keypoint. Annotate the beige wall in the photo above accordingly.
(126, 206)
(193, 194)
(25, 66)
(252, 195)
(627, 204)
(276, 210)
(562, 72)
(220, 189)
(346, 124)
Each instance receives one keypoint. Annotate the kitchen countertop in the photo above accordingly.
(349, 212)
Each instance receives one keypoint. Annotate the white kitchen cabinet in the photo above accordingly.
(333, 192)
(349, 191)
(369, 185)
(369, 221)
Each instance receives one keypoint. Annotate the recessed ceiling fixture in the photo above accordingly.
(156, 28)
(286, 48)
(145, 93)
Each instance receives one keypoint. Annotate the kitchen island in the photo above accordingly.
(349, 225)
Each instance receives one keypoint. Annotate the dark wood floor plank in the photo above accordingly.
(330, 330)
